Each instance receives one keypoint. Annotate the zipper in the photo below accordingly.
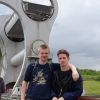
(60, 93)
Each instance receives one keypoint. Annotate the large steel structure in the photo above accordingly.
(20, 35)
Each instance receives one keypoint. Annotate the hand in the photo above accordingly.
(54, 98)
(61, 98)
(22, 99)
(75, 75)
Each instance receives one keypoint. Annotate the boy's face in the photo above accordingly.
(43, 54)
(63, 60)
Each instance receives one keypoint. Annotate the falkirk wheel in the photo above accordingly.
(27, 26)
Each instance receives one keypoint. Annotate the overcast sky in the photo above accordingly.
(4, 10)
(44, 2)
(77, 29)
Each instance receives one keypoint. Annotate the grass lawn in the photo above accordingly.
(92, 87)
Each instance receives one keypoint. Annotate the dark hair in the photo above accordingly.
(62, 51)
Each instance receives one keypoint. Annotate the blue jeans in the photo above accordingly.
(26, 98)
(35, 99)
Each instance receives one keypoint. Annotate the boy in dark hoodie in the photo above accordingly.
(65, 88)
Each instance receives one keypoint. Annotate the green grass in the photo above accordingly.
(89, 77)
(92, 87)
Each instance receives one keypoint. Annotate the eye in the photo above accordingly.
(46, 53)
(64, 58)
(60, 58)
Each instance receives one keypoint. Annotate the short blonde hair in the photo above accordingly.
(43, 46)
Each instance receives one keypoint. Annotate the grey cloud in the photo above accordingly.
(78, 31)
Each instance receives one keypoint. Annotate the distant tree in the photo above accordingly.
(98, 78)
(89, 74)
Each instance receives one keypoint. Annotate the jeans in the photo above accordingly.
(35, 99)
(29, 99)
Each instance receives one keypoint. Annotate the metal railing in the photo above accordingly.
(8, 97)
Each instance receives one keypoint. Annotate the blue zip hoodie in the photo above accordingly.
(38, 77)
